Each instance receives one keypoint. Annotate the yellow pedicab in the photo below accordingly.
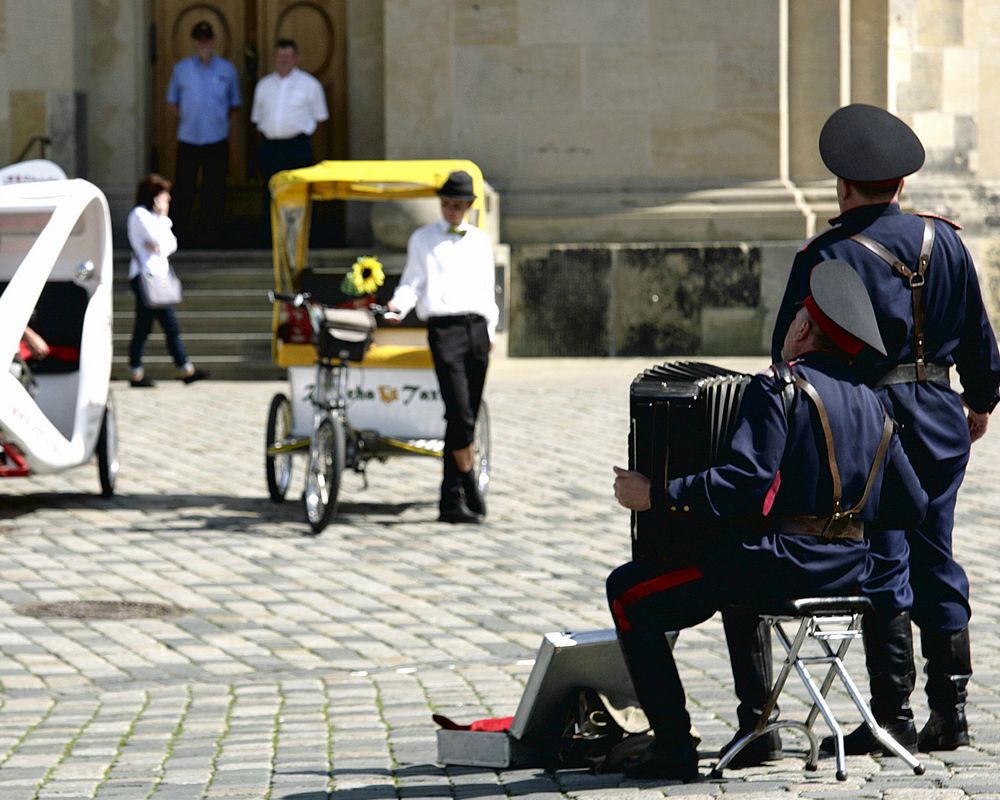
(349, 400)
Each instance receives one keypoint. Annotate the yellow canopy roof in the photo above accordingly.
(369, 180)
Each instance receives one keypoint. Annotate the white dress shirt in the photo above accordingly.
(146, 228)
(448, 274)
(289, 106)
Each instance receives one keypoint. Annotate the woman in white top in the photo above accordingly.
(151, 237)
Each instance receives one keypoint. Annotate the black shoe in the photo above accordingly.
(473, 497)
(759, 751)
(944, 732)
(197, 375)
(459, 513)
(141, 383)
(671, 763)
(861, 741)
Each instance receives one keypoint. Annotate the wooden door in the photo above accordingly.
(173, 21)
(245, 33)
(319, 30)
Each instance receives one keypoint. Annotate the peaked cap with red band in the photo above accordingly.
(867, 144)
(839, 304)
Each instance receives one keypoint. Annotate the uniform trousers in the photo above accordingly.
(918, 567)
(649, 598)
(460, 346)
(212, 160)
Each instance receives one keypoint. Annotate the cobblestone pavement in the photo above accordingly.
(305, 668)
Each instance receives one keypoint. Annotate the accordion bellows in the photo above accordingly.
(682, 417)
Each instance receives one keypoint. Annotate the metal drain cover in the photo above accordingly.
(100, 609)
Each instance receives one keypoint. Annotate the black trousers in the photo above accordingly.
(277, 155)
(460, 346)
(212, 161)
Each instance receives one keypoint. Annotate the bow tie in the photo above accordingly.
(456, 231)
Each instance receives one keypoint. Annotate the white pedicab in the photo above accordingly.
(55, 276)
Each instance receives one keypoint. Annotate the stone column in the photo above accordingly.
(816, 81)
(418, 78)
(44, 58)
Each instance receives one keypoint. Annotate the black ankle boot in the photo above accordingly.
(473, 497)
(453, 507)
(949, 667)
(675, 760)
(861, 741)
(749, 642)
(891, 674)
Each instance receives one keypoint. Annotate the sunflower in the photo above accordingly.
(363, 278)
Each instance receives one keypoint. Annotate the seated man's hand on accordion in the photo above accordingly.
(632, 489)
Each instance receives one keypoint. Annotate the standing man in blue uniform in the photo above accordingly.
(923, 285)
(204, 93)
(777, 485)
(449, 278)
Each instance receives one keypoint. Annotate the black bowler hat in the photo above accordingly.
(202, 30)
(840, 305)
(867, 144)
(458, 187)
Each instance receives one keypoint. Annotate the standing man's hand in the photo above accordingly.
(632, 489)
(977, 424)
(392, 316)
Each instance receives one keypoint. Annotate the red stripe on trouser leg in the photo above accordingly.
(668, 580)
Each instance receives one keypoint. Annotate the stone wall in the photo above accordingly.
(630, 300)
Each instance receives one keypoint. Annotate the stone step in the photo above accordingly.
(205, 344)
(228, 321)
(218, 299)
(221, 367)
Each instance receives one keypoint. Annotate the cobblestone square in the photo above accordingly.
(303, 667)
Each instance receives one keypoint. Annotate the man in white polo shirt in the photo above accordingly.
(288, 104)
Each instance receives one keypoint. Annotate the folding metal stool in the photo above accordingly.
(825, 620)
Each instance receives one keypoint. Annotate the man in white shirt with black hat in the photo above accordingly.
(449, 278)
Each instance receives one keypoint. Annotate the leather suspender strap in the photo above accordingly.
(883, 448)
(824, 422)
(840, 520)
(915, 278)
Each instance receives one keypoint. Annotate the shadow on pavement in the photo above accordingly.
(215, 511)
(450, 784)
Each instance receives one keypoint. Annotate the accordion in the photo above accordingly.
(682, 418)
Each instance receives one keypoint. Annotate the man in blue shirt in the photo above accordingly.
(813, 462)
(926, 295)
(204, 93)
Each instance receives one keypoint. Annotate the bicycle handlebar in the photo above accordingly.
(301, 298)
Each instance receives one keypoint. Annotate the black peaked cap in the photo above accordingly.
(868, 144)
(840, 294)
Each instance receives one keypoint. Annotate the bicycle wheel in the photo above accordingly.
(278, 468)
(107, 450)
(326, 462)
(481, 449)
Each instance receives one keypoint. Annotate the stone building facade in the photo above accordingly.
(656, 157)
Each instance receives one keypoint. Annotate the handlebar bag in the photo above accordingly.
(345, 333)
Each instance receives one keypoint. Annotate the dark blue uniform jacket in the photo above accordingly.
(779, 466)
(956, 327)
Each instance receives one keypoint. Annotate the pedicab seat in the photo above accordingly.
(58, 319)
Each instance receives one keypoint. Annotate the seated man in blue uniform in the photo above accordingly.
(805, 428)
(926, 296)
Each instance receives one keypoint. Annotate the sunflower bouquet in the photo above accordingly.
(363, 278)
